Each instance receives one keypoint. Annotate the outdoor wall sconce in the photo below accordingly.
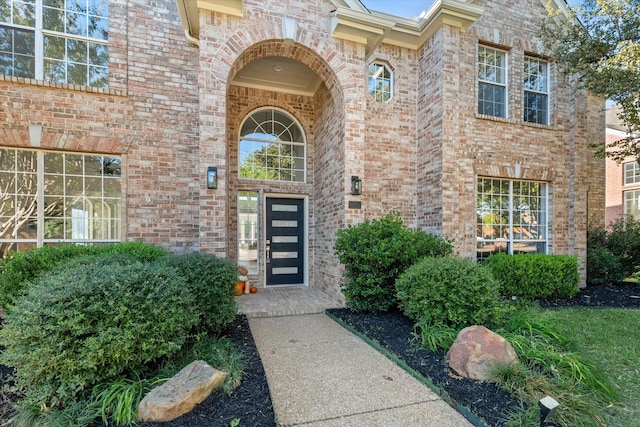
(356, 185)
(212, 177)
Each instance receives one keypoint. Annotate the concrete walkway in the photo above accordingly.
(322, 375)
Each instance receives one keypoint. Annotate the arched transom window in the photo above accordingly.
(272, 147)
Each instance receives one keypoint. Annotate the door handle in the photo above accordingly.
(268, 250)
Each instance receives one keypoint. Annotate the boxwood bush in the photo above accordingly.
(535, 276)
(23, 267)
(210, 280)
(448, 291)
(91, 322)
(375, 253)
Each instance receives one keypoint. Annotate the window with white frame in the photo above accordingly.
(492, 82)
(62, 41)
(511, 217)
(632, 203)
(631, 173)
(50, 198)
(248, 230)
(380, 82)
(272, 147)
(536, 91)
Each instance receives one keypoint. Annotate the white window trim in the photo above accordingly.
(40, 239)
(391, 80)
(506, 80)
(547, 93)
(634, 166)
(40, 32)
(633, 192)
(510, 241)
(302, 144)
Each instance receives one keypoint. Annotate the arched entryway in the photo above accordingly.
(285, 133)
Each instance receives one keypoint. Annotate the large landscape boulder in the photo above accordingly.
(477, 350)
(193, 384)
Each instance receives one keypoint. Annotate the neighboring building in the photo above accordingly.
(622, 179)
(256, 129)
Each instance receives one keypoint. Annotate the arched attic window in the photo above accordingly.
(272, 147)
(380, 82)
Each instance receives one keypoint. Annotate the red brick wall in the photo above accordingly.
(171, 112)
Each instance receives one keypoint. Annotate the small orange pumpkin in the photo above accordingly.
(238, 288)
(253, 289)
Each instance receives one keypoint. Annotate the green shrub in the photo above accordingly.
(623, 240)
(210, 281)
(375, 253)
(23, 267)
(603, 267)
(86, 324)
(140, 251)
(450, 291)
(535, 276)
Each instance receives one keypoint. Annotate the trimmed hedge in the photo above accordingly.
(91, 322)
(450, 291)
(210, 280)
(375, 253)
(535, 276)
(23, 267)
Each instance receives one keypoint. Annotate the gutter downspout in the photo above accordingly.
(194, 41)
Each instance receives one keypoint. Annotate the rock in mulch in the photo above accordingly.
(178, 396)
(477, 350)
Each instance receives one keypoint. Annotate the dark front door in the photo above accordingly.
(285, 248)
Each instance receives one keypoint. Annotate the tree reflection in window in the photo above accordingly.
(75, 186)
(272, 147)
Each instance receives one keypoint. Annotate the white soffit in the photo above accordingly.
(376, 27)
(189, 15)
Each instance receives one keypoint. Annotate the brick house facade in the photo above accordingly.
(622, 179)
(183, 87)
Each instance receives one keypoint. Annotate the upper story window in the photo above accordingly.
(631, 173)
(272, 147)
(380, 82)
(536, 91)
(492, 82)
(62, 41)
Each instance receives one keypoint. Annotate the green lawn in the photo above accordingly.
(612, 338)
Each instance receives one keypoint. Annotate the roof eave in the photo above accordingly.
(188, 10)
(374, 28)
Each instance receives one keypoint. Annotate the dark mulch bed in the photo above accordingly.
(250, 402)
(486, 403)
(623, 295)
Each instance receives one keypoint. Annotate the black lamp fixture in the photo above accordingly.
(212, 177)
(356, 185)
